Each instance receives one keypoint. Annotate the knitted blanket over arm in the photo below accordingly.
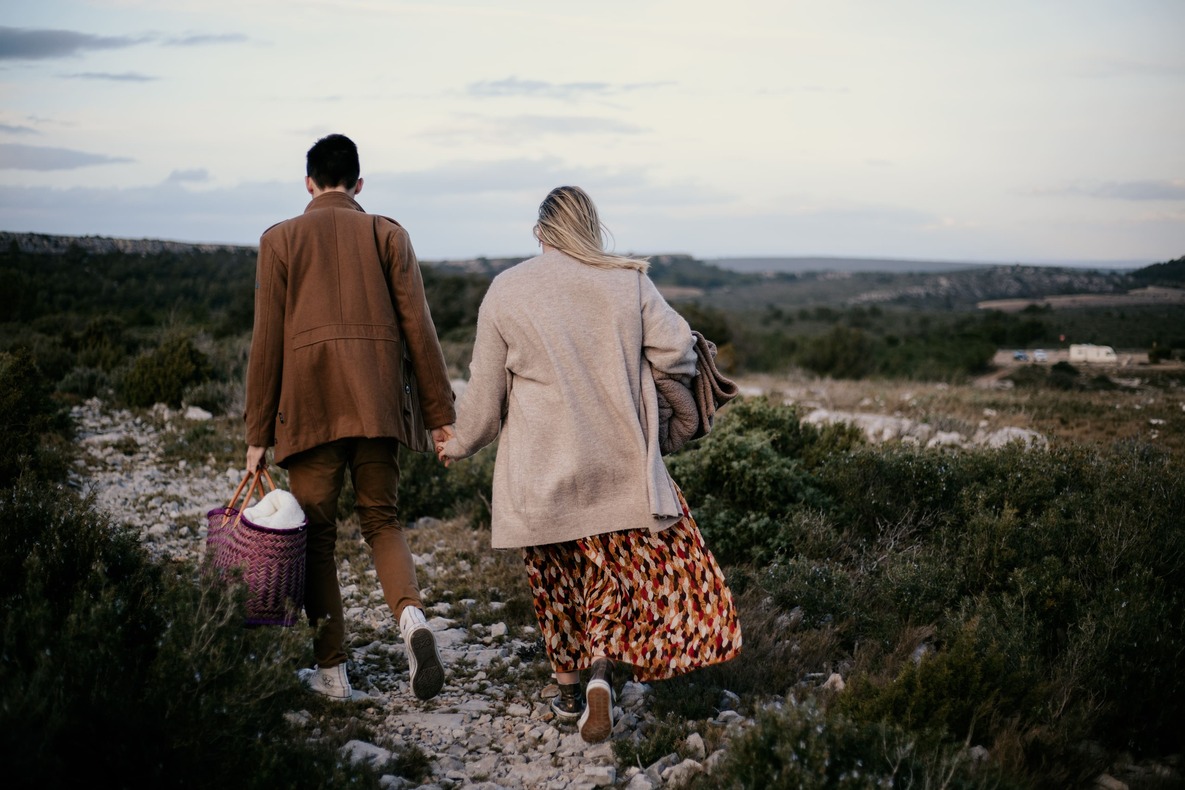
(687, 412)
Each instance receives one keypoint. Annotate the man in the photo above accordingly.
(341, 326)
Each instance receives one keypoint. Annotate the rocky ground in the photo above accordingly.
(490, 727)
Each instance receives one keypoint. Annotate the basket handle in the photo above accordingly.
(238, 491)
(255, 478)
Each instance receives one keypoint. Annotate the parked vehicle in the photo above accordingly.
(1039, 355)
(1020, 356)
(1088, 352)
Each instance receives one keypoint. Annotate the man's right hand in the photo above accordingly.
(256, 458)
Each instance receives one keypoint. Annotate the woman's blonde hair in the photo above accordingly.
(569, 222)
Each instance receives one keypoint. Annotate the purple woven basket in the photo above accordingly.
(271, 561)
(218, 522)
(272, 564)
(220, 519)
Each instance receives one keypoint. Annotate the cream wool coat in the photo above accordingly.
(562, 370)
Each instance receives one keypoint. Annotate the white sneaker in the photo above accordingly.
(596, 722)
(332, 682)
(427, 673)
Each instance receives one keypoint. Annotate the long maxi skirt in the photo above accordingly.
(656, 601)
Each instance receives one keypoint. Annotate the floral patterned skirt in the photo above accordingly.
(656, 601)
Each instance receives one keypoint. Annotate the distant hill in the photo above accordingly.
(742, 283)
(807, 264)
(804, 265)
(42, 243)
(1171, 273)
(674, 270)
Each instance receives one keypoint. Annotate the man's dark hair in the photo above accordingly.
(333, 162)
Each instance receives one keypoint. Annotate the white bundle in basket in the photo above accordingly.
(278, 510)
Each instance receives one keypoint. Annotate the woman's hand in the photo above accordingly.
(440, 437)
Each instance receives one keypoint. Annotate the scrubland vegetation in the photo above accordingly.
(1028, 603)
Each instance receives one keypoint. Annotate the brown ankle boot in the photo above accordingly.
(569, 705)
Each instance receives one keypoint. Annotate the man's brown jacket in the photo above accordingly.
(340, 321)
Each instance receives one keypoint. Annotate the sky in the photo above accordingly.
(1003, 131)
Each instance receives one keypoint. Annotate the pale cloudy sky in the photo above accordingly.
(1008, 130)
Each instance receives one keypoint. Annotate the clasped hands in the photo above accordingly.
(439, 437)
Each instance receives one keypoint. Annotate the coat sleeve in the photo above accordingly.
(667, 342)
(265, 367)
(406, 285)
(484, 402)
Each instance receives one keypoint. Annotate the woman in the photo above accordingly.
(563, 371)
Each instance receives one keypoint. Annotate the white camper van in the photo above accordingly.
(1088, 352)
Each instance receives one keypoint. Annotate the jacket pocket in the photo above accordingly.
(327, 332)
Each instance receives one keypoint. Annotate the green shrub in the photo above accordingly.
(843, 352)
(214, 396)
(427, 488)
(129, 671)
(804, 747)
(745, 480)
(968, 690)
(84, 382)
(163, 374)
(103, 343)
(46, 350)
(29, 419)
(1067, 562)
(824, 590)
(1043, 587)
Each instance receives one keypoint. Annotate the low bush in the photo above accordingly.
(130, 672)
(83, 382)
(427, 488)
(32, 424)
(103, 343)
(807, 747)
(747, 477)
(1027, 600)
(163, 374)
(216, 397)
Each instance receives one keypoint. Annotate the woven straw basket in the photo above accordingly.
(271, 561)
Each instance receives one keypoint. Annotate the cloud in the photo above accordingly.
(1163, 189)
(532, 179)
(469, 177)
(15, 156)
(9, 128)
(201, 39)
(167, 210)
(568, 91)
(1142, 190)
(127, 76)
(18, 43)
(194, 175)
(567, 124)
(469, 127)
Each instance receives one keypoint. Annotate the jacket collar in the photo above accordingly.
(332, 200)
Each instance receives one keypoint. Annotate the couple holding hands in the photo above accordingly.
(562, 373)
